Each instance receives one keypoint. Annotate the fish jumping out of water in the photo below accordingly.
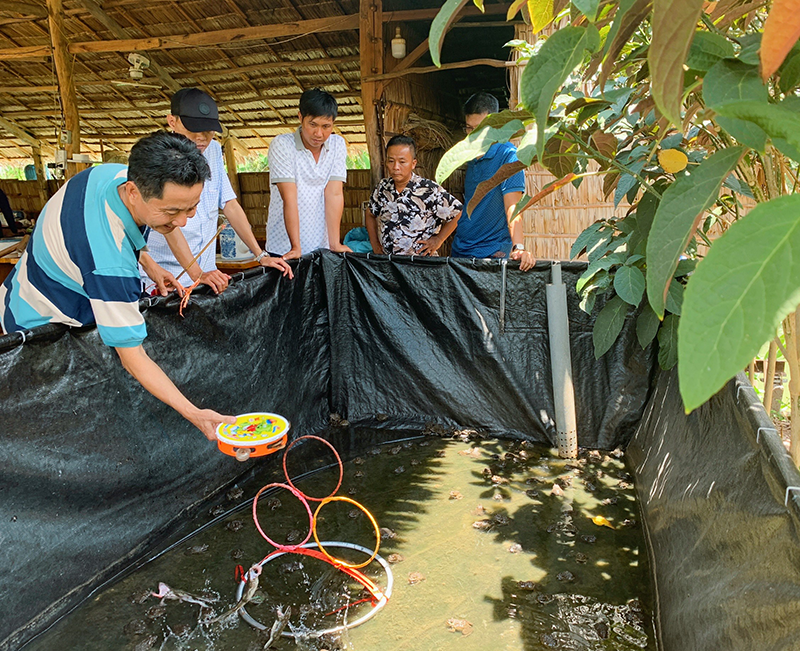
(166, 593)
(250, 589)
(281, 620)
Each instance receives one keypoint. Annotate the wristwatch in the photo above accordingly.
(261, 255)
(518, 247)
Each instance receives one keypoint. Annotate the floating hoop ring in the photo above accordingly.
(299, 496)
(338, 461)
(333, 559)
(338, 629)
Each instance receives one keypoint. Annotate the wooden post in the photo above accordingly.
(230, 163)
(371, 51)
(41, 179)
(63, 64)
(769, 376)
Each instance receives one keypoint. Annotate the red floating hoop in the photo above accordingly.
(338, 461)
(299, 496)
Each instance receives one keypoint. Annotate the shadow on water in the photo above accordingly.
(492, 547)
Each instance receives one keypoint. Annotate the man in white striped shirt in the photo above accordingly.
(195, 115)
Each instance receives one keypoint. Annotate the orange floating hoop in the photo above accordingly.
(338, 461)
(299, 496)
(333, 559)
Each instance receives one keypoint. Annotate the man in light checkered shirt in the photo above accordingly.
(308, 170)
(195, 115)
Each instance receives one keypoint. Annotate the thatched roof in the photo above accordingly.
(254, 56)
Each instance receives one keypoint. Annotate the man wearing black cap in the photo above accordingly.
(194, 115)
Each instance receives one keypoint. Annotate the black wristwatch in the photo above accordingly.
(518, 247)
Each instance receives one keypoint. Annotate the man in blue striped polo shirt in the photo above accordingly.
(488, 231)
(81, 264)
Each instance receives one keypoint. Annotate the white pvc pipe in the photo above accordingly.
(561, 365)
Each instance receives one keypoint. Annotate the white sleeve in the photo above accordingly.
(339, 166)
(282, 160)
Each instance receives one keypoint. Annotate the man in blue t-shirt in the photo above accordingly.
(488, 231)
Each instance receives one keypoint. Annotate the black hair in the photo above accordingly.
(405, 141)
(316, 103)
(164, 157)
(481, 103)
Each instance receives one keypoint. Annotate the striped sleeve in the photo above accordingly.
(114, 297)
(281, 157)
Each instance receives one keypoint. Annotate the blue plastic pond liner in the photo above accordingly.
(94, 472)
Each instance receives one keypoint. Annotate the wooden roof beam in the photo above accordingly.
(238, 35)
(24, 8)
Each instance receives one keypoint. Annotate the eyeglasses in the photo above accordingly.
(467, 129)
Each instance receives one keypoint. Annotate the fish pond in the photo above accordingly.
(491, 545)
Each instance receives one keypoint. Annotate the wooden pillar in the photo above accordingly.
(41, 179)
(66, 85)
(371, 51)
(230, 163)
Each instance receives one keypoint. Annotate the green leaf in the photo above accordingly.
(526, 151)
(779, 122)
(475, 144)
(790, 73)
(547, 71)
(672, 142)
(608, 325)
(685, 267)
(441, 23)
(587, 7)
(677, 217)
(732, 81)
(647, 326)
(501, 119)
(751, 44)
(589, 236)
(674, 301)
(673, 26)
(582, 102)
(747, 284)
(629, 284)
(668, 342)
(707, 48)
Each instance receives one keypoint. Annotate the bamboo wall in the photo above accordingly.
(24, 195)
(255, 193)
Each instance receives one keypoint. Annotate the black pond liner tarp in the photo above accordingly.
(94, 472)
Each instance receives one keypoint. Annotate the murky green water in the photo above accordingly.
(493, 547)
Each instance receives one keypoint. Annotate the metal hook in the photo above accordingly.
(24, 337)
(766, 429)
(367, 255)
(738, 389)
(788, 490)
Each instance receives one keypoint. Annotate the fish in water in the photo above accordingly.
(249, 591)
(166, 593)
(281, 620)
(600, 521)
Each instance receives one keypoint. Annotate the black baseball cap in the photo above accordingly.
(197, 111)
